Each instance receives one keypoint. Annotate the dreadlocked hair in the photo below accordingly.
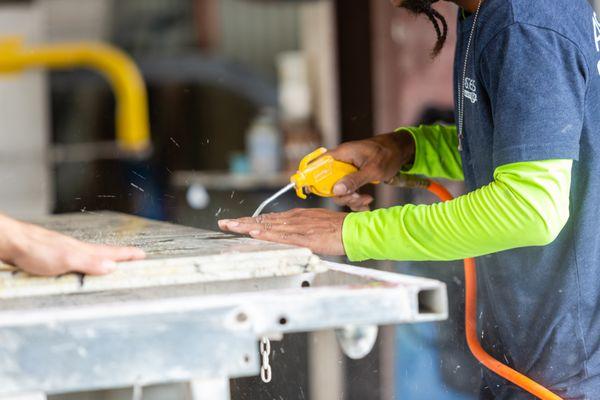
(437, 19)
(442, 34)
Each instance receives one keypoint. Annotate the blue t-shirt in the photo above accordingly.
(532, 92)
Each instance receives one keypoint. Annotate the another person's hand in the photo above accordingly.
(378, 159)
(317, 229)
(42, 252)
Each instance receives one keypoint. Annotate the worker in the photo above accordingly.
(527, 144)
(38, 251)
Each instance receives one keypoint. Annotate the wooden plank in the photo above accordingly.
(176, 255)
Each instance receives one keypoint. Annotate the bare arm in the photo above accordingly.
(39, 251)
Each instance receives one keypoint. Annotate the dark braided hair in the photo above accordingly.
(424, 7)
(443, 35)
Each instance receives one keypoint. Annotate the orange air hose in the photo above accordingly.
(471, 324)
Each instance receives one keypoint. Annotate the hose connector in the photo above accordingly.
(409, 181)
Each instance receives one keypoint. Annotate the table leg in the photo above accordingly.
(209, 389)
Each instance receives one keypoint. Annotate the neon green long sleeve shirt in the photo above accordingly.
(436, 152)
(527, 204)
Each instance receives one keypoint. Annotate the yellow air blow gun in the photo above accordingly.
(317, 173)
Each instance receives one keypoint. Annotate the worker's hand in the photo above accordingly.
(378, 159)
(317, 229)
(42, 252)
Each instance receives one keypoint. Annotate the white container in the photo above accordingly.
(294, 90)
(263, 144)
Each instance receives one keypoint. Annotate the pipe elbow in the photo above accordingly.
(132, 116)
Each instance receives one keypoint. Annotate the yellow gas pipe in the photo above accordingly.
(132, 126)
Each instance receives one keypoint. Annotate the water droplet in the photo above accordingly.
(174, 142)
(136, 186)
(139, 175)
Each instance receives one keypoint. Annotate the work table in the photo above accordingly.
(193, 311)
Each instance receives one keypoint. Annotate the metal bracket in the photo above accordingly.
(357, 341)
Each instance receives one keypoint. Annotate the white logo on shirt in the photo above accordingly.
(470, 90)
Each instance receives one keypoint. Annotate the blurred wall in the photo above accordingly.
(24, 172)
(251, 33)
(407, 79)
(318, 42)
(76, 19)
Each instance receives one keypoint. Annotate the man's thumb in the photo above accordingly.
(350, 183)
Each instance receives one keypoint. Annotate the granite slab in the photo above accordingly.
(176, 255)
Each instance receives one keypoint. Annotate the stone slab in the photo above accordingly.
(176, 255)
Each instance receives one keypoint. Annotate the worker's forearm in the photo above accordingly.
(526, 205)
(436, 152)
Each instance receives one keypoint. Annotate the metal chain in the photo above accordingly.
(265, 343)
(265, 367)
(461, 92)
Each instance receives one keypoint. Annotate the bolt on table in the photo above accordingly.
(193, 311)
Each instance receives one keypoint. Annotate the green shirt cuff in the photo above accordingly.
(353, 223)
(436, 152)
(412, 169)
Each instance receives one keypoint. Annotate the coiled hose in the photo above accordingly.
(480, 354)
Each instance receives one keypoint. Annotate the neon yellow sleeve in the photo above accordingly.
(527, 204)
(436, 152)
